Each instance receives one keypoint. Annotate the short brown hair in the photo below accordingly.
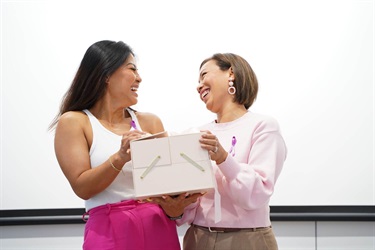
(245, 81)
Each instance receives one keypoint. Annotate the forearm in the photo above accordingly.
(93, 181)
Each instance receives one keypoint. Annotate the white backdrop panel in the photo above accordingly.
(314, 61)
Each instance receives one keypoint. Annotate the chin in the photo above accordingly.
(209, 108)
(135, 101)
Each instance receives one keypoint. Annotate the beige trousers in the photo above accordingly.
(201, 239)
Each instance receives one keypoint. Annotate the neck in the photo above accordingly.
(231, 114)
(109, 114)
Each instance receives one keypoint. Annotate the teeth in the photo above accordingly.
(134, 89)
(205, 93)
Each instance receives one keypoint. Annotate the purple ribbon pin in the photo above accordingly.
(232, 148)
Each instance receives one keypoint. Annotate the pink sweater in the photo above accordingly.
(246, 180)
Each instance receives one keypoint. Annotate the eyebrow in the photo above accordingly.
(135, 66)
(200, 77)
(204, 71)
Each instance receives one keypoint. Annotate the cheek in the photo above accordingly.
(131, 77)
(127, 80)
(220, 87)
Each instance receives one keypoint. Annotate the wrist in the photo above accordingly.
(121, 157)
(222, 159)
(116, 162)
(176, 217)
(113, 166)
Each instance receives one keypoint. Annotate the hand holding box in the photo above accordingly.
(170, 165)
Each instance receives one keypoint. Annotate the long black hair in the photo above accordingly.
(101, 60)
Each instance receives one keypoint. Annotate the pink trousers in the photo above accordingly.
(130, 225)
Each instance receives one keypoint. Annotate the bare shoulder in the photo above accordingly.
(74, 126)
(147, 116)
(73, 117)
(150, 122)
(73, 121)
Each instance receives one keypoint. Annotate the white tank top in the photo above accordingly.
(104, 144)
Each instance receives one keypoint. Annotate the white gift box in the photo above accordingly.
(170, 165)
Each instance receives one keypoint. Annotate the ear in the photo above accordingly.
(231, 73)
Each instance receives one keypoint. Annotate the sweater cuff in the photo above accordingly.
(230, 168)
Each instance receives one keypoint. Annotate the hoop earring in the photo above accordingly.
(231, 89)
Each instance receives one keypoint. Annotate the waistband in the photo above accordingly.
(119, 206)
(230, 229)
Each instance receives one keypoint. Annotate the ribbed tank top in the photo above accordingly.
(104, 144)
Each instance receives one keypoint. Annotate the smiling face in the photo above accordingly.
(124, 82)
(213, 86)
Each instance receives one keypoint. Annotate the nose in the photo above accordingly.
(137, 77)
(199, 87)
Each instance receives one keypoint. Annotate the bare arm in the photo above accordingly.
(72, 139)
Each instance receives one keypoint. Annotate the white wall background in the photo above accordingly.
(314, 61)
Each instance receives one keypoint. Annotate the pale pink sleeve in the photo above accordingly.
(189, 214)
(250, 185)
